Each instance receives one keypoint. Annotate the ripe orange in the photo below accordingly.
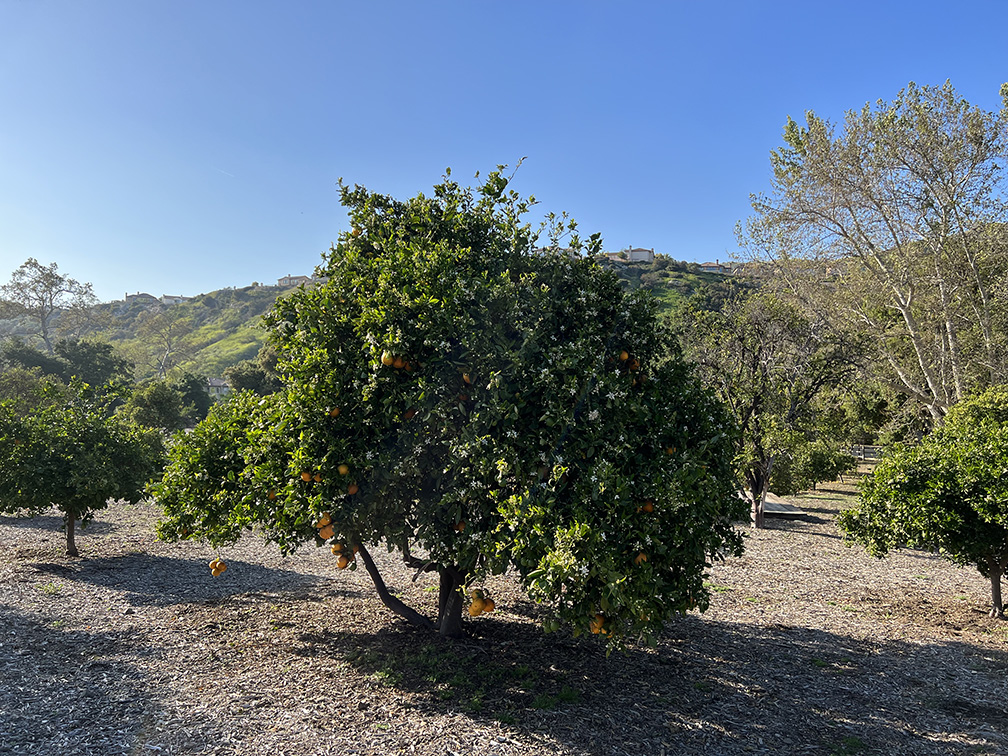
(306, 476)
(647, 507)
(334, 412)
(387, 359)
(326, 532)
(337, 548)
(460, 526)
(409, 414)
(670, 450)
(476, 607)
(213, 564)
(640, 558)
(343, 469)
(271, 495)
(624, 355)
(467, 379)
(398, 363)
(597, 624)
(318, 477)
(323, 520)
(352, 489)
(489, 605)
(342, 562)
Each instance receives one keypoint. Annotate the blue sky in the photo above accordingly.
(180, 147)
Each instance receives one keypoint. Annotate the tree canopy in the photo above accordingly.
(893, 224)
(42, 292)
(475, 403)
(768, 363)
(947, 494)
(68, 451)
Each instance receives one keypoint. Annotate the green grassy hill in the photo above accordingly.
(223, 327)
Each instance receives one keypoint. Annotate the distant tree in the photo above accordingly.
(460, 396)
(17, 353)
(41, 292)
(155, 404)
(768, 363)
(195, 399)
(167, 330)
(808, 463)
(94, 363)
(72, 455)
(258, 375)
(948, 493)
(26, 389)
(893, 224)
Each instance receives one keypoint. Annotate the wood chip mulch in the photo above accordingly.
(809, 647)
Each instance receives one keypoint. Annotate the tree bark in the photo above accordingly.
(997, 607)
(408, 613)
(71, 546)
(449, 622)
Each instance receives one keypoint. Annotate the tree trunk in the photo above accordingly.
(997, 607)
(408, 613)
(71, 549)
(449, 622)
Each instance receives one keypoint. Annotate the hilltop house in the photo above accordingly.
(715, 267)
(632, 254)
(217, 387)
(170, 299)
(288, 281)
(140, 298)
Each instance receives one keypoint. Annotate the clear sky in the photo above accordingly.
(181, 146)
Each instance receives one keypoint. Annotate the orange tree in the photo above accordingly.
(66, 451)
(476, 404)
(948, 493)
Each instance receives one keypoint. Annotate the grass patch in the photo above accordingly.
(848, 746)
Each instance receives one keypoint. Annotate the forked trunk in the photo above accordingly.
(71, 545)
(997, 607)
(394, 603)
(449, 622)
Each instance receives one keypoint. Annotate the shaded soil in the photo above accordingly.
(809, 647)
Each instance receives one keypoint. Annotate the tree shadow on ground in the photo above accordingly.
(53, 524)
(706, 688)
(148, 580)
(67, 691)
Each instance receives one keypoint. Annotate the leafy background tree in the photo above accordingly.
(893, 225)
(769, 364)
(948, 493)
(474, 404)
(42, 293)
(69, 452)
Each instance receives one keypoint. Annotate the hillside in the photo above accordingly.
(216, 330)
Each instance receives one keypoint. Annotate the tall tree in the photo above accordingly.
(895, 223)
(167, 329)
(42, 292)
(768, 363)
(474, 403)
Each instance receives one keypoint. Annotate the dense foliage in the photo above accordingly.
(948, 494)
(474, 403)
(769, 363)
(67, 451)
(892, 225)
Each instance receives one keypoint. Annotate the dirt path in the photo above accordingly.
(809, 647)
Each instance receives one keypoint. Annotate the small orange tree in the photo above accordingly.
(475, 403)
(62, 448)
